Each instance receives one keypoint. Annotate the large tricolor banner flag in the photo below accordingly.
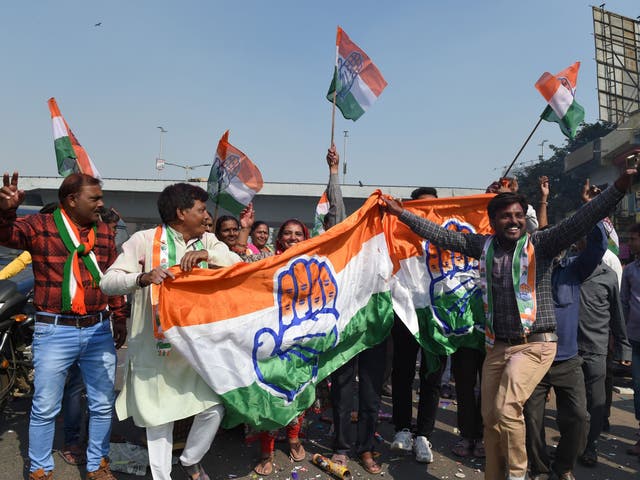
(234, 179)
(70, 155)
(559, 91)
(356, 80)
(263, 334)
(436, 292)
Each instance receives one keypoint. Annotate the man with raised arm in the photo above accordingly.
(515, 270)
(70, 249)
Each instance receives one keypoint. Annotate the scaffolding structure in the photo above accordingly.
(617, 42)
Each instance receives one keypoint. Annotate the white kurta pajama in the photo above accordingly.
(157, 390)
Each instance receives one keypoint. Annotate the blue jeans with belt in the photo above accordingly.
(55, 349)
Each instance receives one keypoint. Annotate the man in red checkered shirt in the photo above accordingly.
(70, 249)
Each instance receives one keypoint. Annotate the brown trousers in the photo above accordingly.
(509, 375)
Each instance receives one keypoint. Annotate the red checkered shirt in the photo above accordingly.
(39, 235)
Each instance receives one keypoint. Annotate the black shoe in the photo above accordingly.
(589, 458)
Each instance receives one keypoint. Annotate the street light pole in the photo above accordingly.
(344, 157)
(541, 158)
(160, 160)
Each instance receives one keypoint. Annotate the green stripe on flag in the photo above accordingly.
(348, 105)
(229, 203)
(65, 156)
(264, 411)
(571, 120)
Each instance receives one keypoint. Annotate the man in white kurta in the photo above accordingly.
(159, 389)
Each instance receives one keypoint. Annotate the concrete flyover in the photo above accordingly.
(136, 199)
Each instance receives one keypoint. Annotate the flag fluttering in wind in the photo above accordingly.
(357, 81)
(559, 91)
(234, 179)
(70, 155)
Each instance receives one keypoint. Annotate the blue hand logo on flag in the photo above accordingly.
(454, 282)
(286, 360)
(224, 172)
(348, 71)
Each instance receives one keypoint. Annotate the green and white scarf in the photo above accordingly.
(73, 294)
(164, 255)
(523, 272)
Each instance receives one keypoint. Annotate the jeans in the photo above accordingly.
(572, 418)
(405, 351)
(635, 375)
(370, 367)
(55, 349)
(73, 406)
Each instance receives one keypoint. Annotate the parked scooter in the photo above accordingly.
(16, 335)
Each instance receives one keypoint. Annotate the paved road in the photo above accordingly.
(230, 456)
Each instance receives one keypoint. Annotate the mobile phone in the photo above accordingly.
(632, 161)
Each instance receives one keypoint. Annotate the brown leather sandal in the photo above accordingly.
(369, 464)
(297, 451)
(265, 467)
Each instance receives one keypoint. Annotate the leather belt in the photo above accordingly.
(534, 337)
(78, 321)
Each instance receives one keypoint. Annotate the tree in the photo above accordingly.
(565, 187)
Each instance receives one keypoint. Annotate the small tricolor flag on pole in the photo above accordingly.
(70, 155)
(359, 82)
(559, 91)
(234, 179)
(321, 211)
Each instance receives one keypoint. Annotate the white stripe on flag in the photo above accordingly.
(561, 101)
(59, 129)
(240, 191)
(362, 93)
(368, 272)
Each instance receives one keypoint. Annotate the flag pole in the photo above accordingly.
(335, 89)
(522, 147)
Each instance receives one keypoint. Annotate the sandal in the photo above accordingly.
(195, 469)
(339, 459)
(296, 451)
(464, 448)
(73, 455)
(369, 464)
(265, 467)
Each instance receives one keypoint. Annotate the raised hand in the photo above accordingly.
(391, 205)
(544, 187)
(10, 196)
(285, 358)
(247, 216)
(333, 159)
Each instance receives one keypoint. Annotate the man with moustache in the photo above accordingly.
(70, 248)
(515, 270)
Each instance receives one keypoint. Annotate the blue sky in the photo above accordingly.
(459, 103)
